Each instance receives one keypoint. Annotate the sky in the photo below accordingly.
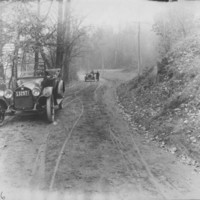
(117, 12)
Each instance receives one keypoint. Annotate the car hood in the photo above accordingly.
(30, 83)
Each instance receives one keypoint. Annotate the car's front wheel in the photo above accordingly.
(50, 110)
(60, 106)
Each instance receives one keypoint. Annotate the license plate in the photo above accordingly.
(24, 93)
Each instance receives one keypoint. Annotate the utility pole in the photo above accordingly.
(38, 9)
(59, 51)
(102, 62)
(1, 32)
(37, 45)
(2, 75)
(139, 50)
(66, 31)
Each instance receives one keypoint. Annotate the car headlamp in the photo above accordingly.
(8, 94)
(1, 93)
(46, 92)
(36, 92)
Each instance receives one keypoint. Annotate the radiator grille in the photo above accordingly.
(23, 99)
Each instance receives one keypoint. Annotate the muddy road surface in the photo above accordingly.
(89, 152)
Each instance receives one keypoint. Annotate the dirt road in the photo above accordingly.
(90, 152)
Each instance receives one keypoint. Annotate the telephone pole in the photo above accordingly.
(1, 32)
(139, 50)
(66, 31)
(59, 51)
(37, 45)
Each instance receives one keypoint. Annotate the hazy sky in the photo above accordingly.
(116, 12)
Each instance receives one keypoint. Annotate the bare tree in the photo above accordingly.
(174, 24)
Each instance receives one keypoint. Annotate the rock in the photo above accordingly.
(55, 123)
(162, 144)
(157, 137)
(183, 158)
(193, 139)
(189, 161)
(197, 164)
(193, 162)
(143, 128)
(173, 150)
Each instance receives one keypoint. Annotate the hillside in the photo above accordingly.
(166, 106)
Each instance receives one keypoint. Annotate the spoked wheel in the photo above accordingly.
(50, 109)
(60, 106)
(2, 117)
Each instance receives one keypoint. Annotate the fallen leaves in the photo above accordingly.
(173, 100)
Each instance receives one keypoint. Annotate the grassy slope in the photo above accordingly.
(168, 110)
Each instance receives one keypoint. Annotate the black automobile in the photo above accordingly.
(39, 90)
(90, 77)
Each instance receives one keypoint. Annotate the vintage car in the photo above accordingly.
(37, 91)
(90, 77)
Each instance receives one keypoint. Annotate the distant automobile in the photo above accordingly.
(90, 77)
(164, 0)
(37, 91)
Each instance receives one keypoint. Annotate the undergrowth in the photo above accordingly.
(167, 103)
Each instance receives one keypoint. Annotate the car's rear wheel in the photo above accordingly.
(50, 110)
(2, 116)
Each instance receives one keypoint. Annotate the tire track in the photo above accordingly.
(120, 146)
(63, 147)
(38, 169)
(84, 105)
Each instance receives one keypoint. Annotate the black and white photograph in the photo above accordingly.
(99, 99)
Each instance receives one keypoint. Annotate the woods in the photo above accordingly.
(29, 36)
(56, 37)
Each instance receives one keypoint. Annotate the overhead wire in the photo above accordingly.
(47, 14)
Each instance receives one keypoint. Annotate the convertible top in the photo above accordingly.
(55, 72)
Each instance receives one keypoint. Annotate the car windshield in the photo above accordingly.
(53, 72)
(32, 73)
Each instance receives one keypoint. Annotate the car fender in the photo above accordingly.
(47, 91)
(61, 88)
(3, 103)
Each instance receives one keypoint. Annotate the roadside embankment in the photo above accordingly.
(164, 102)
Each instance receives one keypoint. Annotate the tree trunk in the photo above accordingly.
(139, 51)
(66, 68)
(13, 79)
(45, 59)
(66, 27)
